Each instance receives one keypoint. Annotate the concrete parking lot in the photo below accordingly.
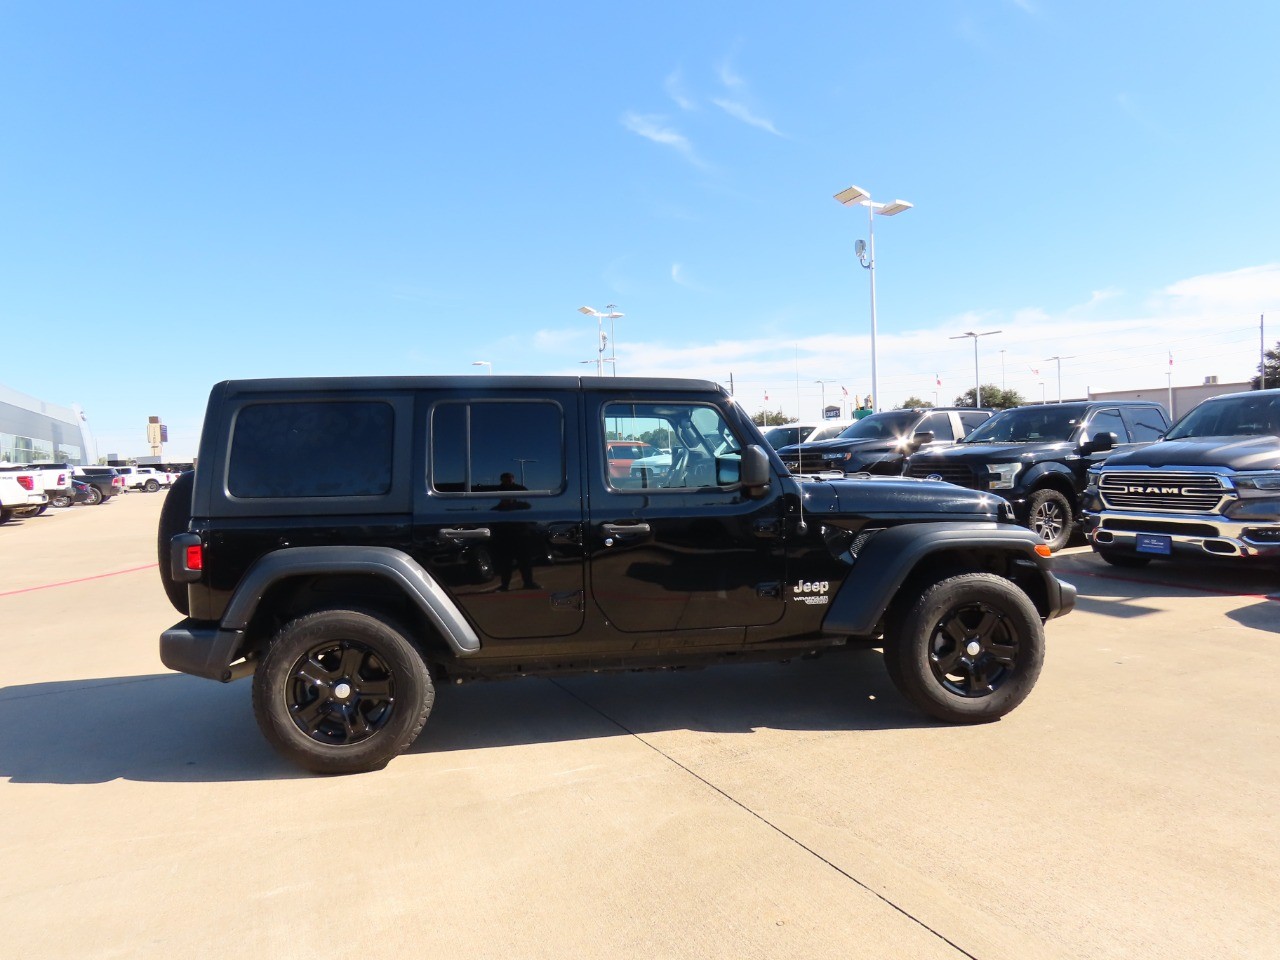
(1127, 809)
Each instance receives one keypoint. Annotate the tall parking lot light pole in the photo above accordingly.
(977, 382)
(822, 414)
(866, 253)
(483, 363)
(1060, 359)
(611, 314)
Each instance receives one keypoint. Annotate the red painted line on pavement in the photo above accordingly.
(67, 583)
(1164, 583)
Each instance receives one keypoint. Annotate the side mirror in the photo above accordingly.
(756, 472)
(1101, 442)
(918, 440)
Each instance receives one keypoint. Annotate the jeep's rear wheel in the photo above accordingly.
(342, 691)
(968, 650)
(1049, 515)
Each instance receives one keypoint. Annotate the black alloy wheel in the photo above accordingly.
(342, 691)
(968, 650)
(973, 650)
(95, 496)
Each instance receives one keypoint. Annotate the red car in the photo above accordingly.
(622, 453)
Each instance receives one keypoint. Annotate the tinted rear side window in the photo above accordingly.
(312, 449)
(484, 446)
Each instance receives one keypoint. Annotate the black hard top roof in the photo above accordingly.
(472, 383)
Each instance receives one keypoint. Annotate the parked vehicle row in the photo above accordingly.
(28, 490)
(1037, 457)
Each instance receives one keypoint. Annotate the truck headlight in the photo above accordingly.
(1260, 484)
(1002, 475)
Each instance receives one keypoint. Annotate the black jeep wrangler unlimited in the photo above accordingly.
(471, 528)
(1037, 457)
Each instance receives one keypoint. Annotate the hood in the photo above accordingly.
(996, 452)
(1238, 453)
(869, 445)
(900, 498)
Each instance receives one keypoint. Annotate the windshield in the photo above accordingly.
(1242, 416)
(826, 432)
(1037, 424)
(784, 436)
(880, 426)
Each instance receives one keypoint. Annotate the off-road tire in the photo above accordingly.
(968, 650)
(175, 516)
(95, 496)
(342, 691)
(1050, 516)
(151, 486)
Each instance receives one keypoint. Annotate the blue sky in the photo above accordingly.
(195, 192)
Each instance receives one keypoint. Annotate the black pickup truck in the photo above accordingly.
(1037, 457)
(472, 529)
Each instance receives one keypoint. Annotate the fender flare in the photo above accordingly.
(1050, 468)
(891, 555)
(385, 562)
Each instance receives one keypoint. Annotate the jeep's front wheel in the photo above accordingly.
(968, 650)
(341, 691)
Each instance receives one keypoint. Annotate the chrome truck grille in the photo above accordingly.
(1173, 490)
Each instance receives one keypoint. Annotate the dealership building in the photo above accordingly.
(32, 430)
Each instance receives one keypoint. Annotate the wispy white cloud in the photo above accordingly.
(681, 277)
(740, 111)
(653, 127)
(728, 76)
(674, 85)
(1208, 323)
(1251, 288)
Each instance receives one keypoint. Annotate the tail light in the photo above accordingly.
(195, 557)
(26, 482)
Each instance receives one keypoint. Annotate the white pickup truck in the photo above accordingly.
(21, 493)
(145, 478)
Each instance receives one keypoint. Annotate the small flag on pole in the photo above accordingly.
(1171, 358)
(766, 395)
(845, 391)
(1034, 370)
(937, 379)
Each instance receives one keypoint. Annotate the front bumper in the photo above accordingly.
(1190, 535)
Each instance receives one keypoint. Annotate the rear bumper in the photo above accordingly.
(203, 650)
(1190, 535)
